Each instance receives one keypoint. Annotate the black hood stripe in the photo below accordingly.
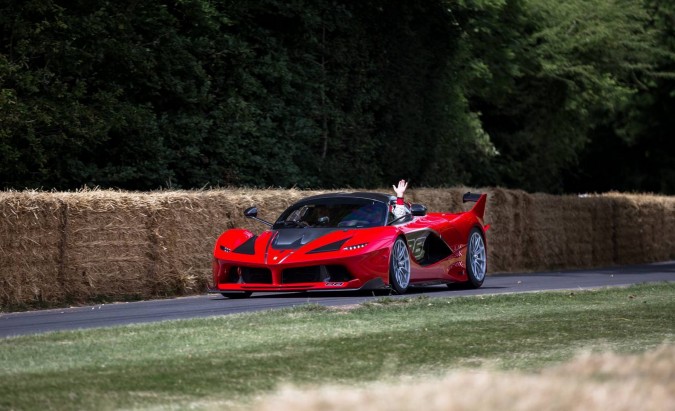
(335, 246)
(294, 238)
(248, 247)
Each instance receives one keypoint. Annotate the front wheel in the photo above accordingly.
(476, 259)
(399, 266)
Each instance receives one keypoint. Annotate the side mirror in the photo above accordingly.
(251, 212)
(323, 220)
(418, 210)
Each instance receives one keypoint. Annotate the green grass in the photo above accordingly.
(228, 360)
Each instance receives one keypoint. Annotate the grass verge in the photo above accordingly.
(230, 360)
(605, 381)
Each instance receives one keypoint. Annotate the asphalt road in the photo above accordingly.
(106, 315)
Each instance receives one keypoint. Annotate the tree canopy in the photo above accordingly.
(534, 94)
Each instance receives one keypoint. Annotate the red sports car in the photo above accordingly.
(352, 241)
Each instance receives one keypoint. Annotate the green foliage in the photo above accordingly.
(141, 95)
(566, 71)
(641, 135)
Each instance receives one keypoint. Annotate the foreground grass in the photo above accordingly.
(229, 360)
(605, 381)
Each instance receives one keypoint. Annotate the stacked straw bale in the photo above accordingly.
(108, 244)
(59, 248)
(562, 228)
(601, 230)
(510, 237)
(31, 242)
(643, 228)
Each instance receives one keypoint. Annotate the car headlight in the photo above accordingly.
(355, 247)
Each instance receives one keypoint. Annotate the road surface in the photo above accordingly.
(106, 315)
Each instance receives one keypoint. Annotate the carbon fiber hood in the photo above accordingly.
(294, 238)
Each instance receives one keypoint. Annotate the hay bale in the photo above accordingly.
(602, 234)
(510, 237)
(578, 224)
(627, 231)
(643, 228)
(31, 243)
(564, 227)
(669, 227)
(656, 214)
(110, 246)
(548, 233)
(186, 226)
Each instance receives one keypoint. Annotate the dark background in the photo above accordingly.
(541, 95)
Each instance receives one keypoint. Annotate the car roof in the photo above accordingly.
(380, 197)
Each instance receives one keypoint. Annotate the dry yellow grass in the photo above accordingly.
(82, 246)
(589, 382)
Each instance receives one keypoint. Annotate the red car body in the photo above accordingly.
(343, 250)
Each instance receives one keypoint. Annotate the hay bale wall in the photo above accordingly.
(59, 248)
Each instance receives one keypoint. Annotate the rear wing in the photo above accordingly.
(480, 199)
(469, 196)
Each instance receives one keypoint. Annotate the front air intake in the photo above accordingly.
(249, 275)
(315, 274)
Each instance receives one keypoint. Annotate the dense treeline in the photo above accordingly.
(534, 94)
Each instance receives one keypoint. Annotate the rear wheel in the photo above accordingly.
(237, 295)
(399, 266)
(476, 259)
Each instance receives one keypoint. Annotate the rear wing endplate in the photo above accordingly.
(478, 198)
(469, 196)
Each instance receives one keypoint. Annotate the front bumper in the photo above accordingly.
(374, 284)
(365, 271)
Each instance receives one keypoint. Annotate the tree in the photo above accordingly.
(576, 73)
(636, 151)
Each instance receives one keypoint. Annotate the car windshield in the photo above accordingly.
(332, 213)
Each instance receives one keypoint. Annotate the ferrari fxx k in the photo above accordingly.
(352, 241)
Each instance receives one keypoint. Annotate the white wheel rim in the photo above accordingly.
(477, 256)
(401, 262)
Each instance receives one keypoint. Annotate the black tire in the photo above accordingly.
(399, 266)
(237, 295)
(476, 258)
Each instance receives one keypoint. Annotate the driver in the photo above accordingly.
(400, 209)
